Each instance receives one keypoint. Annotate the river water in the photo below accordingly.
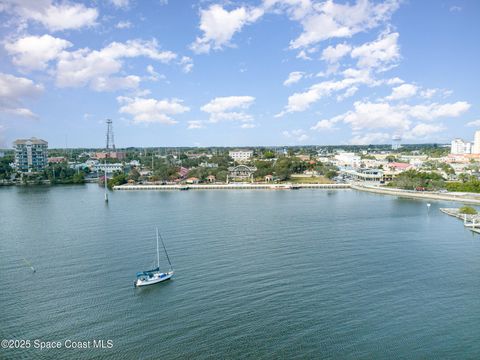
(260, 274)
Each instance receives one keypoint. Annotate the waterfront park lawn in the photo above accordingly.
(310, 180)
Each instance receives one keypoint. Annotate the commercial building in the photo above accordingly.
(108, 168)
(119, 155)
(30, 155)
(460, 147)
(240, 155)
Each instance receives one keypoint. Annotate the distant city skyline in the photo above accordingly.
(214, 73)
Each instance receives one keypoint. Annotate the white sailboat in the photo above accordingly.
(154, 276)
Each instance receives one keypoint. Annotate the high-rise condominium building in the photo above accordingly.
(460, 147)
(476, 143)
(30, 154)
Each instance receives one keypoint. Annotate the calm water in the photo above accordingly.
(259, 274)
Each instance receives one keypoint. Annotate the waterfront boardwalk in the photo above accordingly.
(467, 198)
(237, 186)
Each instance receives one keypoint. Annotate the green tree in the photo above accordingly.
(467, 210)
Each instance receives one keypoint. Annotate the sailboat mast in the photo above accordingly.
(168, 258)
(106, 180)
(158, 254)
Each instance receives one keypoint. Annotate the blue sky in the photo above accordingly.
(213, 73)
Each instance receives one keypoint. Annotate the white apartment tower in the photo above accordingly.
(460, 147)
(476, 143)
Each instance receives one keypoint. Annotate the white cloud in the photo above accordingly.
(376, 116)
(403, 119)
(394, 81)
(455, 8)
(332, 54)
(115, 83)
(229, 108)
(422, 131)
(403, 91)
(120, 3)
(97, 67)
(370, 138)
(293, 77)
(154, 76)
(123, 25)
(219, 26)
(435, 110)
(302, 101)
(383, 115)
(324, 125)
(195, 124)
(186, 63)
(381, 54)
(13, 90)
(151, 110)
(303, 55)
(55, 16)
(297, 135)
(248, 126)
(34, 52)
(475, 123)
(327, 20)
(348, 93)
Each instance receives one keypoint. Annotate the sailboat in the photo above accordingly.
(154, 276)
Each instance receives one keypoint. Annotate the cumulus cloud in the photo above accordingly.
(145, 111)
(327, 20)
(297, 135)
(123, 25)
(324, 125)
(219, 26)
(195, 124)
(229, 108)
(384, 115)
(293, 77)
(404, 119)
(13, 90)
(120, 3)
(423, 131)
(434, 110)
(34, 52)
(53, 15)
(334, 53)
(370, 138)
(186, 63)
(97, 68)
(248, 126)
(403, 91)
(382, 54)
(301, 101)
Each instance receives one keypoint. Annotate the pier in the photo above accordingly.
(240, 186)
(472, 222)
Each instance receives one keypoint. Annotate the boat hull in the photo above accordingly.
(155, 280)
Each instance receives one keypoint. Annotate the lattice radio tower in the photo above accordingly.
(109, 136)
